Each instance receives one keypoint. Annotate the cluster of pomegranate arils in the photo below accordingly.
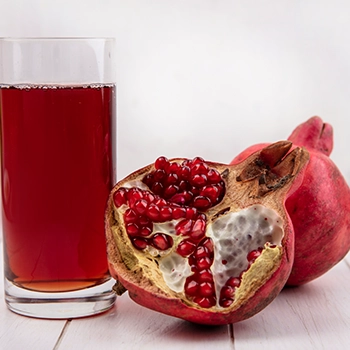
(200, 285)
(181, 192)
(178, 191)
(192, 183)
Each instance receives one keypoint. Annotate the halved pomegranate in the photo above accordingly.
(206, 242)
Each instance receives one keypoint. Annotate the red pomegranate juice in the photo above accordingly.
(57, 171)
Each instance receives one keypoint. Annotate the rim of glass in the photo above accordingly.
(54, 38)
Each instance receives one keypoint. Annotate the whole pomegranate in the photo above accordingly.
(319, 208)
(206, 242)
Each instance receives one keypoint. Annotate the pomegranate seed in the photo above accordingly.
(185, 172)
(139, 243)
(160, 202)
(191, 213)
(213, 176)
(148, 196)
(205, 276)
(198, 229)
(192, 262)
(159, 175)
(120, 197)
(148, 179)
(183, 185)
(132, 229)
(212, 192)
(205, 302)
(186, 248)
(153, 212)
(199, 168)
(166, 213)
(134, 194)
(206, 289)
(253, 255)
(197, 160)
(184, 227)
(199, 180)
(162, 241)
(191, 287)
(161, 163)
(201, 216)
(140, 206)
(188, 196)
(129, 216)
(186, 162)
(174, 168)
(144, 221)
(179, 198)
(157, 188)
(227, 292)
(145, 231)
(179, 212)
(226, 302)
(201, 252)
(195, 191)
(170, 191)
(233, 282)
(204, 263)
(202, 203)
(208, 244)
(172, 179)
(182, 198)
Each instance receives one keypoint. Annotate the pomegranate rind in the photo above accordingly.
(314, 135)
(139, 273)
(322, 236)
(319, 208)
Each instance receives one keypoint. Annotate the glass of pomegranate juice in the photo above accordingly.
(57, 114)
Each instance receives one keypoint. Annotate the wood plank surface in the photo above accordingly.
(130, 326)
(315, 316)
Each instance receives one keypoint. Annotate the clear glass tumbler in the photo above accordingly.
(57, 114)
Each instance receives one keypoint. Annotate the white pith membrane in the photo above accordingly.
(234, 235)
(238, 233)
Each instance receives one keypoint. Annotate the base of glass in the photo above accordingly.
(63, 305)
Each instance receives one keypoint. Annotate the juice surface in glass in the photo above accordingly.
(58, 169)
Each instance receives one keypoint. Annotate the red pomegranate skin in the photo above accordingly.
(319, 208)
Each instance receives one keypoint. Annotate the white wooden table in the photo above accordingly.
(314, 316)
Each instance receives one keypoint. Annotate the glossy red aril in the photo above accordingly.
(319, 208)
(206, 242)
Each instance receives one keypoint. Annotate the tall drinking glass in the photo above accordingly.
(57, 113)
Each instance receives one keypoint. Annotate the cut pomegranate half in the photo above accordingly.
(206, 242)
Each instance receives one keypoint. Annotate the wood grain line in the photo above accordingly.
(61, 336)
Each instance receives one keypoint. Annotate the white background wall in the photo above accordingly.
(210, 77)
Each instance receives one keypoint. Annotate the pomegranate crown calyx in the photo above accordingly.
(314, 135)
(274, 166)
